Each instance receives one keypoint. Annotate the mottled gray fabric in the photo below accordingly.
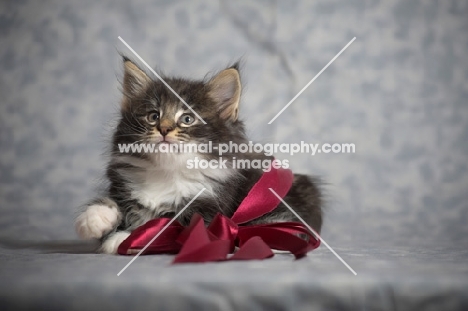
(397, 208)
(397, 278)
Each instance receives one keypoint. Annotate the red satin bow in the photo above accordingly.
(196, 243)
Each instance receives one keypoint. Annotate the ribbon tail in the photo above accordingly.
(213, 251)
(198, 247)
(254, 248)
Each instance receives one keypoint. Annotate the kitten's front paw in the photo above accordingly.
(111, 244)
(96, 221)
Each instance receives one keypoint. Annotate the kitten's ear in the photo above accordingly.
(225, 89)
(135, 80)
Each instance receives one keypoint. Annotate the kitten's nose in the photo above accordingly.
(165, 129)
(165, 126)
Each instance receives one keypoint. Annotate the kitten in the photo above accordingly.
(144, 186)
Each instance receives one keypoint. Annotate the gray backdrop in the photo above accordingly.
(399, 92)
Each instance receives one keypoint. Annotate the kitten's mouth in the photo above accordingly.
(166, 140)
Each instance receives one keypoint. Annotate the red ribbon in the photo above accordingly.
(196, 243)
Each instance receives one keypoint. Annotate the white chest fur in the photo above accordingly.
(167, 183)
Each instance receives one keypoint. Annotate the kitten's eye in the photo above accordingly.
(187, 119)
(153, 117)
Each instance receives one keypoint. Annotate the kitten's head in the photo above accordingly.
(152, 114)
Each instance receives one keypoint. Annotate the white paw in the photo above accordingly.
(96, 221)
(111, 244)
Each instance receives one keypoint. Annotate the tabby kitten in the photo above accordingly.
(143, 186)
